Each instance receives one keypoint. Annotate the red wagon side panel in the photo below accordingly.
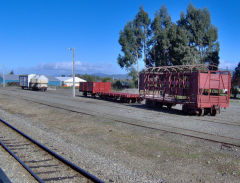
(101, 87)
(214, 89)
(83, 86)
(95, 87)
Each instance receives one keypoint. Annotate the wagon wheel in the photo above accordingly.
(84, 94)
(148, 102)
(128, 100)
(133, 100)
(169, 106)
(121, 100)
(200, 112)
(139, 100)
(206, 111)
(160, 104)
(185, 108)
(213, 112)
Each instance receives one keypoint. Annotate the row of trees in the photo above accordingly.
(160, 42)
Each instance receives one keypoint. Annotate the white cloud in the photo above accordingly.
(59, 68)
(227, 65)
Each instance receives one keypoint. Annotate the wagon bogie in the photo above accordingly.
(169, 106)
(139, 100)
(159, 104)
(133, 100)
(85, 94)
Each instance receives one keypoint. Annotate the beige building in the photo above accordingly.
(68, 81)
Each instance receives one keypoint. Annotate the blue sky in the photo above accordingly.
(35, 35)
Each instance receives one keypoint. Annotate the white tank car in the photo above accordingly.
(33, 82)
(39, 82)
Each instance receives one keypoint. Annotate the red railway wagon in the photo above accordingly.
(198, 89)
(103, 91)
(94, 87)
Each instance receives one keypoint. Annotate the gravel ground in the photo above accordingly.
(139, 112)
(119, 152)
(37, 159)
(14, 171)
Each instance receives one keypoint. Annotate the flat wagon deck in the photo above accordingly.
(103, 91)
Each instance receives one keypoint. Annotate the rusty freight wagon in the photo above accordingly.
(103, 91)
(199, 90)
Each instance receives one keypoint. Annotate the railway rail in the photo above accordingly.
(42, 163)
(149, 125)
(209, 119)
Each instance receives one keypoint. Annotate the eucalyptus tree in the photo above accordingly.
(236, 75)
(131, 46)
(201, 33)
(236, 81)
(159, 44)
(191, 40)
(133, 40)
(142, 23)
(179, 51)
(133, 73)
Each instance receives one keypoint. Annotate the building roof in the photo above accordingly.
(70, 79)
(52, 78)
(10, 77)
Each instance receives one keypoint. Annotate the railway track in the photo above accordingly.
(173, 112)
(42, 163)
(148, 125)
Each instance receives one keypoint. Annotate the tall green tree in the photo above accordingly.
(133, 39)
(191, 40)
(159, 43)
(142, 23)
(169, 44)
(202, 35)
(236, 81)
(236, 75)
(133, 73)
(131, 46)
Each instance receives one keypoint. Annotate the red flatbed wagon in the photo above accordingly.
(198, 89)
(94, 88)
(103, 91)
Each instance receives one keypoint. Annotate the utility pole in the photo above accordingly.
(3, 76)
(73, 72)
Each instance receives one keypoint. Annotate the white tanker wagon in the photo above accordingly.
(33, 82)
